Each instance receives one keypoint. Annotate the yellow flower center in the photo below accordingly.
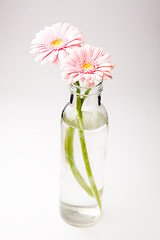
(56, 43)
(86, 66)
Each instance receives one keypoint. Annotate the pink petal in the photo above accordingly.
(103, 58)
(96, 54)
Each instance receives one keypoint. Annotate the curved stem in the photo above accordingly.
(84, 152)
(88, 167)
(69, 152)
(70, 159)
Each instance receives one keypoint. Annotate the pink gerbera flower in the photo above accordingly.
(54, 43)
(88, 65)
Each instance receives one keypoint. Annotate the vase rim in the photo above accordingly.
(98, 88)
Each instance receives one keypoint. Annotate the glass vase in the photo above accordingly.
(84, 129)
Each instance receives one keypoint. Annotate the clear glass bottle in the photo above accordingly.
(84, 128)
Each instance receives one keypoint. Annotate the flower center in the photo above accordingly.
(56, 42)
(86, 66)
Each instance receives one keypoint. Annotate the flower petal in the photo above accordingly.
(96, 66)
(60, 38)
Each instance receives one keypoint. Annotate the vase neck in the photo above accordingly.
(89, 96)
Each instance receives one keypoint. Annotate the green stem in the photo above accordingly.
(84, 150)
(79, 106)
(88, 167)
(70, 159)
(85, 94)
(69, 152)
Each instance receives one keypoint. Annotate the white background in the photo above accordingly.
(32, 97)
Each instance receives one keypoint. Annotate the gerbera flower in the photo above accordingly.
(54, 43)
(88, 65)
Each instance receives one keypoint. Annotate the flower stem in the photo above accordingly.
(84, 150)
(70, 159)
(69, 153)
(88, 167)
